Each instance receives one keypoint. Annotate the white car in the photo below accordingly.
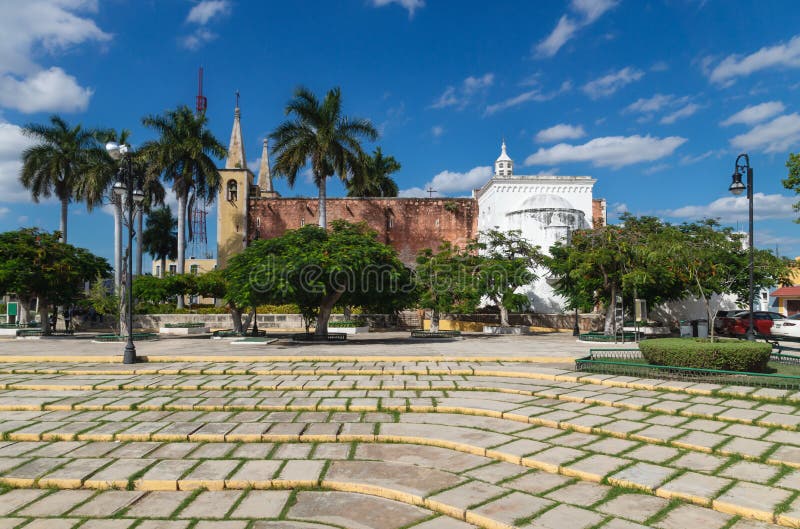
(787, 327)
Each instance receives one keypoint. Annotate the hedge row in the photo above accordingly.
(729, 355)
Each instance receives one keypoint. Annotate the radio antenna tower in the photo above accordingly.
(198, 213)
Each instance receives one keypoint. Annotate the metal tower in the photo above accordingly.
(197, 210)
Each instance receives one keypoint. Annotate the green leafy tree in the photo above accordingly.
(159, 238)
(320, 136)
(105, 302)
(150, 289)
(709, 259)
(504, 263)
(214, 284)
(595, 266)
(792, 181)
(373, 179)
(184, 153)
(445, 282)
(58, 161)
(317, 269)
(35, 264)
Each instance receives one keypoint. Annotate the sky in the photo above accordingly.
(653, 98)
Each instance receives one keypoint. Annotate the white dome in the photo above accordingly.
(545, 202)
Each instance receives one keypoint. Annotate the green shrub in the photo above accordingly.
(729, 355)
(346, 323)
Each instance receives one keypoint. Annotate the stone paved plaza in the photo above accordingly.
(386, 444)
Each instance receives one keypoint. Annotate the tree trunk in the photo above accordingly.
(503, 315)
(181, 240)
(43, 317)
(138, 256)
(434, 320)
(163, 267)
(323, 197)
(117, 244)
(609, 324)
(348, 312)
(236, 316)
(325, 308)
(63, 226)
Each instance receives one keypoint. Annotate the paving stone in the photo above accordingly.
(596, 467)
(653, 453)
(411, 479)
(221, 524)
(686, 516)
(16, 498)
(211, 504)
(699, 461)
(52, 523)
(253, 450)
(434, 456)
(72, 475)
(495, 472)
(566, 516)
(616, 523)
(11, 523)
(694, 487)
(611, 445)
(107, 503)
(699, 440)
(508, 509)
(56, 504)
(756, 472)
(165, 474)
(637, 507)
(173, 450)
(110, 523)
(444, 522)
(642, 476)
(209, 474)
(789, 455)
(751, 500)
(157, 504)
(292, 451)
(658, 434)
(261, 504)
(581, 493)
(332, 451)
(256, 474)
(164, 524)
(354, 511)
(117, 474)
(457, 500)
(553, 458)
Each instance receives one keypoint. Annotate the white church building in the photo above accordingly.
(545, 208)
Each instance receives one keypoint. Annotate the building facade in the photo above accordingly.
(545, 209)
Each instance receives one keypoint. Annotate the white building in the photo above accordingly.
(544, 208)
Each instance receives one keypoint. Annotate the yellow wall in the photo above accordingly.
(232, 215)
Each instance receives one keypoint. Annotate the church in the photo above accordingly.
(544, 208)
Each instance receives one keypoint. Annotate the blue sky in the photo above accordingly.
(654, 98)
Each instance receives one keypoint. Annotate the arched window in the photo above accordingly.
(232, 191)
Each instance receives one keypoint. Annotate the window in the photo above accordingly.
(158, 270)
(172, 269)
(303, 221)
(232, 192)
(390, 223)
(193, 269)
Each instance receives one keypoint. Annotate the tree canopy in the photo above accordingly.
(34, 264)
(318, 269)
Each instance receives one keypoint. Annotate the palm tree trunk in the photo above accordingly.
(63, 226)
(117, 245)
(323, 212)
(138, 256)
(163, 267)
(181, 240)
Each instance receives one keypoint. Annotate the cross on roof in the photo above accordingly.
(430, 191)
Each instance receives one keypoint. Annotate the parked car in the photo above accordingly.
(762, 322)
(789, 327)
(723, 319)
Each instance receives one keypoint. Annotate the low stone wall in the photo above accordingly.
(588, 322)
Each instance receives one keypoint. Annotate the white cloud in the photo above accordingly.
(206, 10)
(409, 5)
(4, 211)
(34, 28)
(786, 55)
(12, 143)
(659, 66)
(22, 220)
(50, 90)
(462, 96)
(683, 112)
(608, 84)
(452, 182)
(197, 39)
(609, 151)
(618, 208)
(732, 208)
(688, 159)
(649, 105)
(755, 113)
(559, 132)
(778, 135)
(437, 131)
(587, 12)
(531, 95)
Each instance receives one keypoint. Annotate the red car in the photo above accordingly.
(762, 322)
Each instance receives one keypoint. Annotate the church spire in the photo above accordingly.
(504, 165)
(264, 175)
(236, 158)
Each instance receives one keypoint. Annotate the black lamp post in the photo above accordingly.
(131, 196)
(742, 166)
(576, 331)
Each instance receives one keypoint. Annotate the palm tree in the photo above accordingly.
(159, 237)
(318, 134)
(184, 152)
(374, 179)
(56, 164)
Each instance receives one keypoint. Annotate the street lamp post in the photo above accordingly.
(742, 166)
(131, 196)
(576, 331)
